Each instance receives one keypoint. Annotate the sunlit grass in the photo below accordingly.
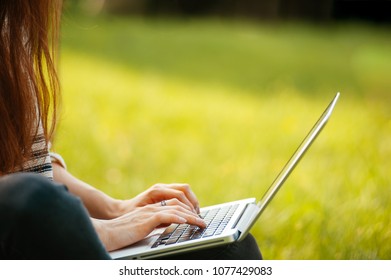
(165, 115)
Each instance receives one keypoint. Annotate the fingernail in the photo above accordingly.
(201, 221)
(182, 220)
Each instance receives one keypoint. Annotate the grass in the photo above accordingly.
(222, 105)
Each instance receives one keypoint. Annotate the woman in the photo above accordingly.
(45, 212)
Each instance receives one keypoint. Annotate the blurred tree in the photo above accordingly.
(370, 10)
(262, 9)
(315, 10)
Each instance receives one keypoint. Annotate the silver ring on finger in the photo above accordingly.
(163, 203)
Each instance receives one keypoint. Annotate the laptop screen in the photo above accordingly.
(290, 165)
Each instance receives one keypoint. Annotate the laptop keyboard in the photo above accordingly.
(216, 220)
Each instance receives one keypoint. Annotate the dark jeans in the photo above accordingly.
(40, 219)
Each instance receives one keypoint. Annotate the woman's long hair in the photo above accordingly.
(29, 85)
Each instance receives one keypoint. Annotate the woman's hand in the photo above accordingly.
(175, 193)
(138, 223)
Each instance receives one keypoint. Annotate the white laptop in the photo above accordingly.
(227, 222)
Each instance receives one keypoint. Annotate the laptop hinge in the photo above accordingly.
(247, 220)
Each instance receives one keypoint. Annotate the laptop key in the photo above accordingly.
(169, 230)
(197, 235)
(172, 241)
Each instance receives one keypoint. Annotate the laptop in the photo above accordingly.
(226, 222)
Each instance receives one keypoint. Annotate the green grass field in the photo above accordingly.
(222, 105)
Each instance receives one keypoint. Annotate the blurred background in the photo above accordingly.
(219, 94)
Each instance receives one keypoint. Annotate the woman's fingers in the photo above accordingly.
(182, 192)
(174, 207)
(160, 192)
(185, 188)
(174, 202)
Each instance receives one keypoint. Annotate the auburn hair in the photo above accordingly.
(29, 87)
